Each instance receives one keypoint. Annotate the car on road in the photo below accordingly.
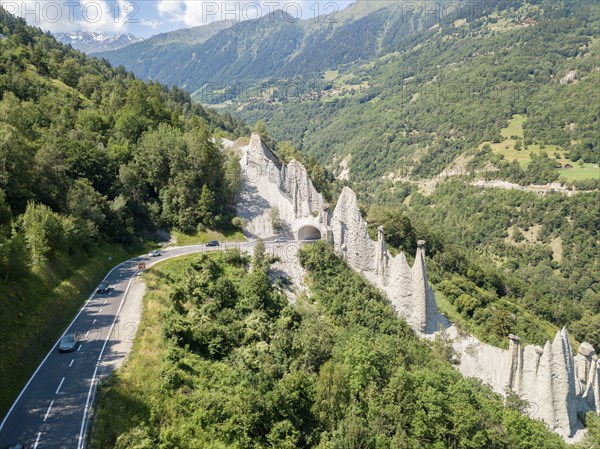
(281, 240)
(68, 342)
(213, 243)
(155, 253)
(103, 287)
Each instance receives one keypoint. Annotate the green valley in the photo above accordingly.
(448, 91)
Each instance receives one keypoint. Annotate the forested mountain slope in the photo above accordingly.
(90, 159)
(531, 69)
(516, 83)
(402, 90)
(154, 58)
(76, 132)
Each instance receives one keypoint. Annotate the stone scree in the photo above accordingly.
(557, 384)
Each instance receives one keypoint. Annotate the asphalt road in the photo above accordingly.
(52, 410)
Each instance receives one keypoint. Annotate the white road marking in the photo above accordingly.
(92, 390)
(70, 364)
(100, 311)
(60, 385)
(94, 322)
(48, 411)
(87, 333)
(105, 301)
(12, 407)
(80, 344)
(37, 440)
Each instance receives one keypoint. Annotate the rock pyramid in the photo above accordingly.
(557, 384)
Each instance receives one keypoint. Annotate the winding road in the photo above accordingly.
(52, 410)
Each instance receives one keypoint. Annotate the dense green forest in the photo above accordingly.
(94, 153)
(91, 160)
(223, 360)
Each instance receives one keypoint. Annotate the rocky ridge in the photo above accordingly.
(406, 287)
(557, 383)
(273, 191)
(95, 41)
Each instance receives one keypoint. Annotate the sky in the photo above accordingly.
(145, 18)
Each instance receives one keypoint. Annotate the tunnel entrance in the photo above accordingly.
(309, 233)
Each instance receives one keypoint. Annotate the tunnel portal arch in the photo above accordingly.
(309, 233)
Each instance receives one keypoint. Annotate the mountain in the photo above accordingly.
(274, 45)
(425, 87)
(153, 58)
(511, 82)
(94, 41)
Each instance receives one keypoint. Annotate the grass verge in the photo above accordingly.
(137, 379)
(200, 238)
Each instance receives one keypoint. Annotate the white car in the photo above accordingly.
(68, 342)
(155, 253)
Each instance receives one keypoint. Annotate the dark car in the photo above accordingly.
(213, 243)
(16, 446)
(68, 342)
(103, 287)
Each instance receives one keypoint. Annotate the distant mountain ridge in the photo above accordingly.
(188, 36)
(415, 88)
(96, 41)
(272, 46)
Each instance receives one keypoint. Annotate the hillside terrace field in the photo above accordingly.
(514, 133)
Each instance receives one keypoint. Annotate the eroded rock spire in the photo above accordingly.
(406, 287)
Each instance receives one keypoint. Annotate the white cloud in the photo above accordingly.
(201, 12)
(170, 9)
(105, 16)
(65, 15)
(152, 23)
